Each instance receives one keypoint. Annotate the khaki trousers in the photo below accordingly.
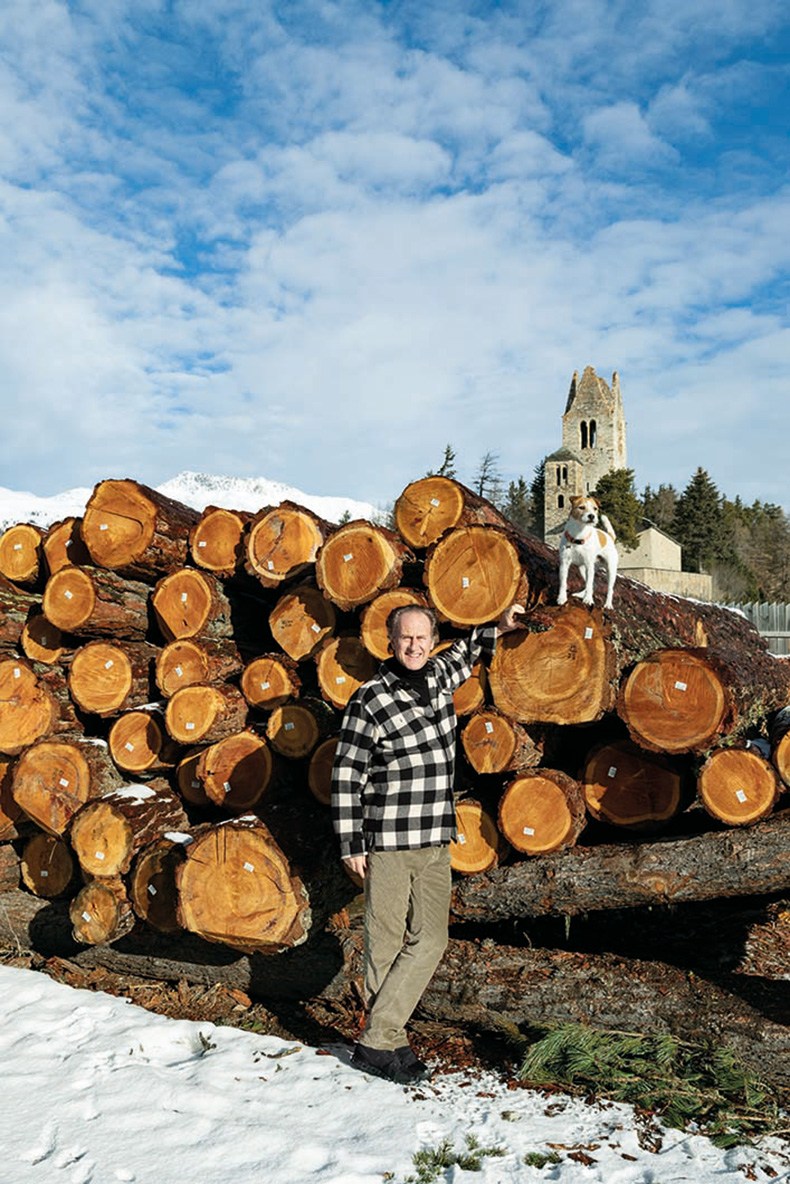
(407, 906)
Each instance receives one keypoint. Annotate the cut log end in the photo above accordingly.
(473, 574)
(359, 562)
(20, 553)
(738, 786)
(216, 542)
(301, 621)
(427, 508)
(478, 846)
(343, 665)
(27, 710)
(675, 702)
(630, 788)
(283, 542)
(542, 811)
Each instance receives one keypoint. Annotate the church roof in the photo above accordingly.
(565, 454)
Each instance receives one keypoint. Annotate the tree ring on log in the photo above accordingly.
(343, 666)
(69, 598)
(181, 663)
(542, 811)
(41, 640)
(235, 771)
(47, 866)
(292, 730)
(20, 552)
(427, 508)
(478, 846)
(191, 712)
(738, 786)
(215, 543)
(358, 562)
(120, 522)
(473, 574)
(27, 711)
(267, 682)
(301, 621)
(283, 542)
(138, 742)
(183, 603)
(561, 676)
(674, 701)
(52, 780)
(628, 787)
(319, 771)
(63, 545)
(102, 838)
(100, 678)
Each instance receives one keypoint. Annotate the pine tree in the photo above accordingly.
(615, 492)
(488, 480)
(518, 504)
(658, 506)
(699, 524)
(537, 496)
(447, 467)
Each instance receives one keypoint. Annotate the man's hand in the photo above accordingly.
(358, 864)
(509, 619)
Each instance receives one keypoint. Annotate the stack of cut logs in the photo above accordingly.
(172, 682)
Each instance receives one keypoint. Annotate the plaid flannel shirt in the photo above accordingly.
(392, 778)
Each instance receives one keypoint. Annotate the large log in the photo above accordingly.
(48, 867)
(301, 621)
(191, 603)
(203, 714)
(34, 702)
(625, 786)
(294, 729)
(135, 530)
(706, 866)
(495, 743)
(282, 543)
(478, 845)
(269, 681)
(561, 668)
(152, 882)
(235, 772)
(63, 545)
(188, 661)
(541, 810)
(358, 562)
(41, 641)
(107, 833)
(21, 554)
(216, 542)
(106, 678)
(53, 779)
(139, 742)
(101, 912)
(92, 602)
(343, 665)
(473, 573)
(236, 887)
(477, 983)
(738, 785)
(433, 505)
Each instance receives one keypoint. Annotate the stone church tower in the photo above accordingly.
(593, 443)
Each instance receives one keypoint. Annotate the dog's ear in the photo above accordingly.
(576, 499)
(595, 502)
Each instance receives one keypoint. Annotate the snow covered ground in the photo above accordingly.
(97, 1091)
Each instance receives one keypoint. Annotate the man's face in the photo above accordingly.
(413, 641)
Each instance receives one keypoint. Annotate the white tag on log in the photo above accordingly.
(190, 727)
(681, 686)
(613, 771)
(588, 633)
(68, 595)
(435, 501)
(489, 727)
(341, 678)
(99, 855)
(315, 628)
(17, 672)
(43, 873)
(741, 796)
(151, 890)
(129, 746)
(348, 558)
(64, 781)
(270, 564)
(289, 727)
(528, 830)
(462, 839)
(196, 785)
(103, 526)
(265, 686)
(465, 582)
(108, 665)
(17, 546)
(202, 543)
(87, 917)
(184, 598)
(248, 867)
(179, 672)
(68, 542)
(227, 787)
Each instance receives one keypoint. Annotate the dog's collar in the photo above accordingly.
(578, 538)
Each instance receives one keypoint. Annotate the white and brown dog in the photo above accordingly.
(582, 543)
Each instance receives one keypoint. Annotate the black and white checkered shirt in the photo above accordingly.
(392, 779)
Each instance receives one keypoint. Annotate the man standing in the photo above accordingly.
(393, 812)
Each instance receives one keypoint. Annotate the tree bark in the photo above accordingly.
(135, 530)
(780, 743)
(16, 605)
(358, 562)
(11, 815)
(92, 602)
(716, 863)
(216, 541)
(106, 678)
(107, 833)
(53, 779)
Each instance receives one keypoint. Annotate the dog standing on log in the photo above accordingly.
(582, 543)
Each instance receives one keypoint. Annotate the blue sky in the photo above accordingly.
(317, 241)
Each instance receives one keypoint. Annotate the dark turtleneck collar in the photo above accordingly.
(415, 681)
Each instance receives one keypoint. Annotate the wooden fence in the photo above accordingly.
(773, 623)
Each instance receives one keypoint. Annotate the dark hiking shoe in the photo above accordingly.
(380, 1062)
(411, 1064)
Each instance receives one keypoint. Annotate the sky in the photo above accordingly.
(317, 240)
(98, 1091)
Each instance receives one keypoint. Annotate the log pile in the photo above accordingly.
(172, 684)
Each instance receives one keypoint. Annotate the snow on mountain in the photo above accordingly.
(193, 489)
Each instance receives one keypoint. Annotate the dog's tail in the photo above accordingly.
(606, 524)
